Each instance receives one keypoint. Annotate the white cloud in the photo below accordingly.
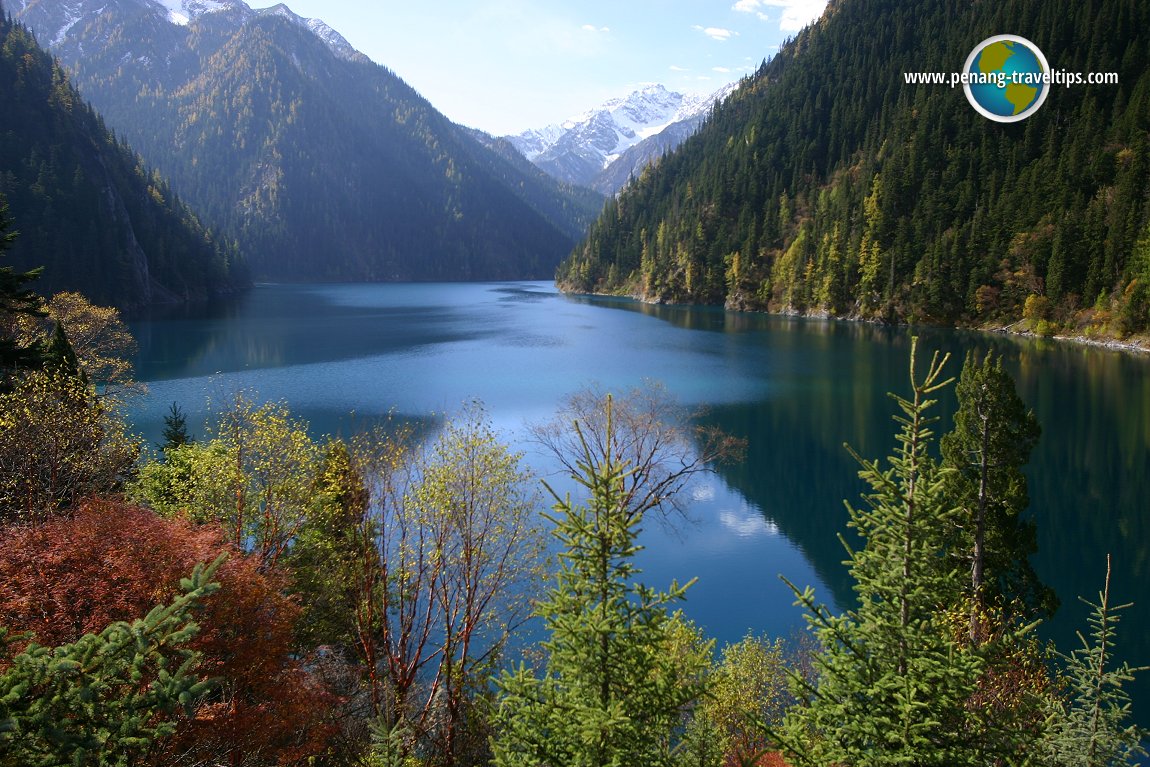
(675, 68)
(593, 28)
(721, 70)
(751, 6)
(716, 33)
(796, 14)
(747, 523)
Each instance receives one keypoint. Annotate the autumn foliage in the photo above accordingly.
(111, 561)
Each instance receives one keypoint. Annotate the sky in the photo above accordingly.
(505, 66)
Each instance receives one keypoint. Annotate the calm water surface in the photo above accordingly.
(796, 389)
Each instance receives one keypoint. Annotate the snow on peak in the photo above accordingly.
(181, 12)
(615, 126)
(56, 20)
(334, 40)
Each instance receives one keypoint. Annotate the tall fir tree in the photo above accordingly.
(175, 432)
(893, 683)
(59, 356)
(993, 437)
(610, 692)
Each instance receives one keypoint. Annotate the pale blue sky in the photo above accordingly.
(508, 65)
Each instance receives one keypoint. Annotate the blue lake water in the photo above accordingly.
(796, 389)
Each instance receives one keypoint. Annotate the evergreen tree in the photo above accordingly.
(175, 431)
(1092, 730)
(892, 682)
(610, 692)
(106, 698)
(993, 436)
(16, 299)
(60, 357)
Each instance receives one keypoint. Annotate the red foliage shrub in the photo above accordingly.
(111, 561)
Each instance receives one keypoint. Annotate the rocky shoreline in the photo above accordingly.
(1137, 345)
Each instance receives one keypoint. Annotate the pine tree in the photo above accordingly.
(892, 681)
(610, 692)
(993, 436)
(59, 356)
(16, 298)
(175, 431)
(107, 697)
(1093, 730)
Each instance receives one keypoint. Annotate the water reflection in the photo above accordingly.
(797, 389)
(748, 522)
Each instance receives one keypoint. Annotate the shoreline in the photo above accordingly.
(1113, 344)
(1136, 347)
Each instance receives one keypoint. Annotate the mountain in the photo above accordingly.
(829, 184)
(321, 164)
(86, 207)
(570, 207)
(603, 147)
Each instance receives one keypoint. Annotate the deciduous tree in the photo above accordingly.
(650, 432)
(107, 698)
(109, 561)
(59, 443)
(749, 687)
(103, 345)
(451, 557)
(254, 475)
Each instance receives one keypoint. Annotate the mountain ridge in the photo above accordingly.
(636, 129)
(321, 164)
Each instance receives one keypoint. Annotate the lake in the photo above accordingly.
(796, 389)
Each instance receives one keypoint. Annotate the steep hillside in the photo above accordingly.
(827, 183)
(86, 207)
(570, 207)
(320, 163)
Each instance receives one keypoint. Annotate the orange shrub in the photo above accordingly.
(111, 561)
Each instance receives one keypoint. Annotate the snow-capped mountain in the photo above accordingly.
(583, 149)
(54, 21)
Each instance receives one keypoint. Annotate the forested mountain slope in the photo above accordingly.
(84, 204)
(322, 164)
(829, 184)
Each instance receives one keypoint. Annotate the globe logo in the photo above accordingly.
(1006, 78)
